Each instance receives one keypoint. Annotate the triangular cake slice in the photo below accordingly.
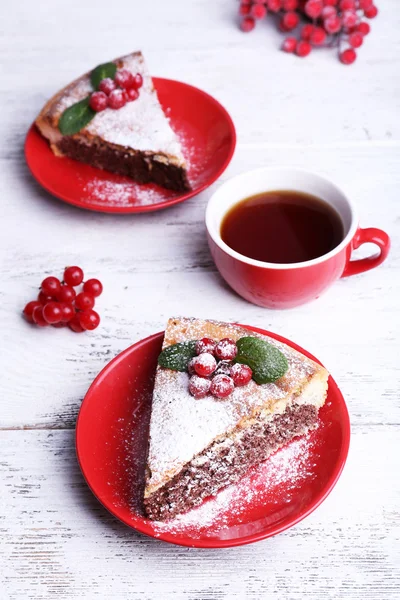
(198, 446)
(135, 140)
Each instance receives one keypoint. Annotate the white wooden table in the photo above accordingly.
(56, 539)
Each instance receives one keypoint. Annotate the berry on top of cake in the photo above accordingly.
(111, 118)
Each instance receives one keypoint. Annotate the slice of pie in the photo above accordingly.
(203, 442)
(134, 140)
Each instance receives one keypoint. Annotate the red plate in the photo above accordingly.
(111, 442)
(207, 135)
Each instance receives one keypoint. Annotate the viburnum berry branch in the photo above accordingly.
(317, 23)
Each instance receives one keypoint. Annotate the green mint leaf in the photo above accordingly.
(101, 72)
(176, 357)
(76, 117)
(265, 360)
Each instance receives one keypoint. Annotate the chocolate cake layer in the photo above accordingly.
(140, 166)
(226, 462)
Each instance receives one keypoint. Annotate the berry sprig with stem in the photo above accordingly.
(59, 304)
(314, 23)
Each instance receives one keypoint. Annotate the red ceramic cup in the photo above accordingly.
(287, 285)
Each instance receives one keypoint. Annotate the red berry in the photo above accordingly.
(116, 99)
(371, 12)
(38, 318)
(290, 4)
(356, 39)
(349, 18)
(131, 95)
(51, 286)
(190, 366)
(75, 325)
(89, 319)
(44, 298)
(107, 85)
(226, 349)
(244, 10)
(98, 101)
(137, 81)
(303, 48)
(84, 301)
(247, 24)
(289, 44)
(313, 8)
(363, 4)
(52, 312)
(66, 294)
(68, 312)
(328, 11)
(258, 11)
(199, 387)
(274, 5)
(347, 57)
(290, 20)
(318, 36)
(330, 2)
(333, 24)
(204, 364)
(222, 386)
(124, 79)
(241, 374)
(347, 4)
(94, 287)
(205, 345)
(306, 32)
(363, 28)
(29, 308)
(73, 276)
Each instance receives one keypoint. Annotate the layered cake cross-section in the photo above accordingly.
(224, 399)
(111, 118)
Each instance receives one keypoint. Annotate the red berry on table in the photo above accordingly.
(52, 313)
(313, 8)
(328, 11)
(205, 345)
(137, 81)
(274, 5)
(290, 4)
(258, 11)
(222, 386)
(204, 364)
(98, 101)
(131, 95)
(68, 312)
(290, 20)
(347, 4)
(44, 298)
(303, 48)
(38, 318)
(73, 276)
(363, 28)
(363, 4)
(94, 287)
(107, 85)
(199, 387)
(84, 301)
(66, 294)
(241, 374)
(244, 9)
(89, 320)
(51, 286)
(356, 39)
(347, 57)
(349, 18)
(318, 36)
(247, 24)
(75, 325)
(289, 44)
(226, 349)
(29, 308)
(116, 99)
(371, 12)
(306, 32)
(124, 79)
(333, 24)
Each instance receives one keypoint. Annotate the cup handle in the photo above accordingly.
(363, 236)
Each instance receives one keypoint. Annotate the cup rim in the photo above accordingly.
(216, 237)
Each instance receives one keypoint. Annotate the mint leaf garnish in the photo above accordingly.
(265, 360)
(76, 117)
(177, 356)
(101, 72)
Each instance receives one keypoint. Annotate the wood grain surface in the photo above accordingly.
(56, 540)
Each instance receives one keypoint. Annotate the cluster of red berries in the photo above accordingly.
(115, 93)
(318, 22)
(58, 304)
(212, 371)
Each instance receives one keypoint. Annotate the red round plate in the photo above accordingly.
(208, 139)
(111, 442)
